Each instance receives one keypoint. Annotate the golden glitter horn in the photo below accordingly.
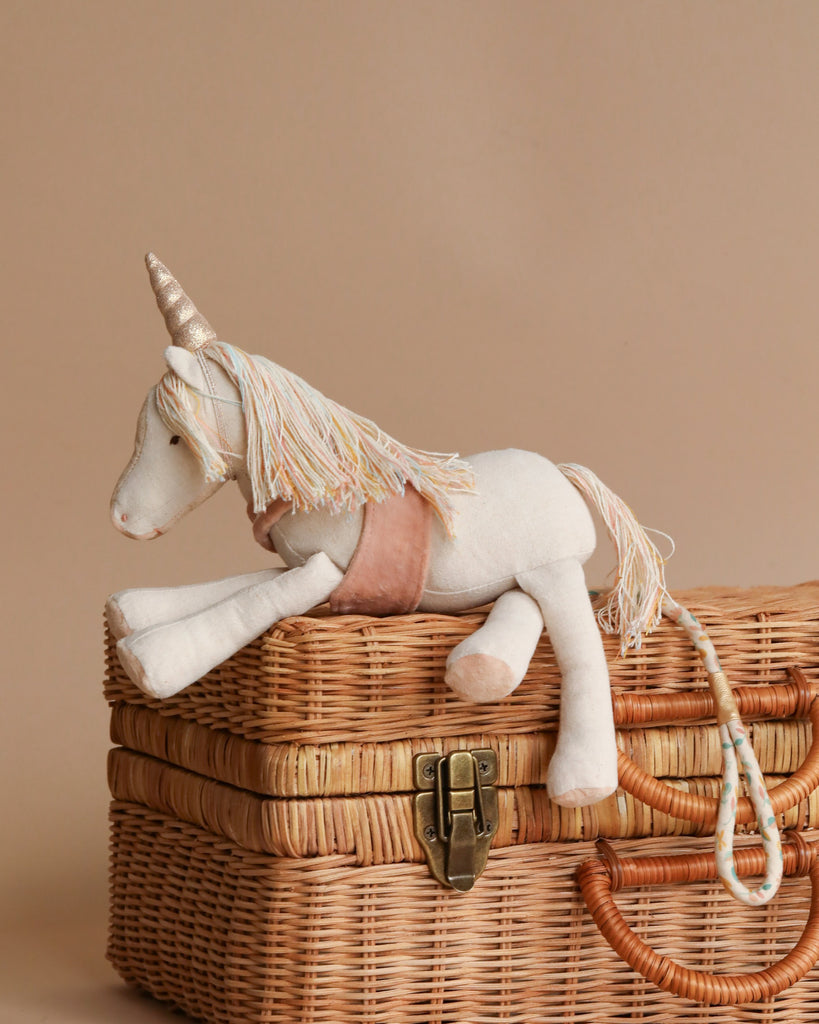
(186, 325)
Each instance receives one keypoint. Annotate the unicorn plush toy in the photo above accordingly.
(373, 526)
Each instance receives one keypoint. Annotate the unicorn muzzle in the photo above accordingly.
(130, 528)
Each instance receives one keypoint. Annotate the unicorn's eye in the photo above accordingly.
(175, 439)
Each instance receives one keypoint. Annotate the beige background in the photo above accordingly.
(590, 229)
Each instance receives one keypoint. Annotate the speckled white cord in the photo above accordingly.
(735, 744)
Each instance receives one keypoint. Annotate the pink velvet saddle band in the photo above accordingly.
(387, 571)
(389, 566)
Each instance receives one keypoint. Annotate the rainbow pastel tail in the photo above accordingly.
(634, 605)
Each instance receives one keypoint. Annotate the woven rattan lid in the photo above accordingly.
(357, 679)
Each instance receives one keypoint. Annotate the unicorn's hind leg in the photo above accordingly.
(583, 768)
(131, 610)
(491, 663)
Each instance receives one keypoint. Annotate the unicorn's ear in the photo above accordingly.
(185, 365)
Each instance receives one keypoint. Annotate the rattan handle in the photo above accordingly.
(795, 698)
(600, 878)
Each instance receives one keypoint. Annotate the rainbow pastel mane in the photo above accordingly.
(305, 448)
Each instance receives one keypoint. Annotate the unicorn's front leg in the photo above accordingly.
(165, 658)
(140, 607)
(583, 768)
(492, 662)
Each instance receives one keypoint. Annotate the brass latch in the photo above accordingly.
(456, 813)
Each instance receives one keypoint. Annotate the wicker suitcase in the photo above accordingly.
(268, 863)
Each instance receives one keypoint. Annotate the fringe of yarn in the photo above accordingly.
(305, 448)
(634, 605)
(182, 411)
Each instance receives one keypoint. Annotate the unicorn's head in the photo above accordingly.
(219, 413)
(166, 478)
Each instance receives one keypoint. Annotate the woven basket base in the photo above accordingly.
(235, 937)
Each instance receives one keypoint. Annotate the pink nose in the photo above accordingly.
(120, 521)
(118, 517)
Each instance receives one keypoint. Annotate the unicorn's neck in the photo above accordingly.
(222, 405)
(224, 410)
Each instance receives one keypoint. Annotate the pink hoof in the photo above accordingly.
(480, 678)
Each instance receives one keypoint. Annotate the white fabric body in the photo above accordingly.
(521, 539)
